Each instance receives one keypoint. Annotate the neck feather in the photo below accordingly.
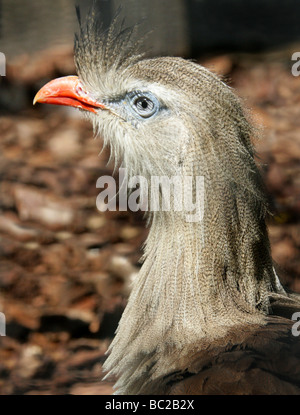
(198, 281)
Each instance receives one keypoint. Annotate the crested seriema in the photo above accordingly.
(207, 312)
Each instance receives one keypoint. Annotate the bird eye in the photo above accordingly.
(144, 106)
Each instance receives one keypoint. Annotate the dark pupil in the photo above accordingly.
(144, 104)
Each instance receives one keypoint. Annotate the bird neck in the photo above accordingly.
(198, 280)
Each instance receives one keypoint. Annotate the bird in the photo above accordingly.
(207, 313)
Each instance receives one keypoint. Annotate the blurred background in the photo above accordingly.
(66, 268)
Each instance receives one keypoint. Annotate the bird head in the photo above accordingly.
(161, 116)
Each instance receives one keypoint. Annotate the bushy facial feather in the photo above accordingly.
(196, 111)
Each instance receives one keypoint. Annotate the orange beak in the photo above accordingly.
(67, 91)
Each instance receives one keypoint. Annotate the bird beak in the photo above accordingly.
(67, 91)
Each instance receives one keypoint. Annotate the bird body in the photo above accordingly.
(207, 312)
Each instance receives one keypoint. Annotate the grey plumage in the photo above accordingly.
(205, 288)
